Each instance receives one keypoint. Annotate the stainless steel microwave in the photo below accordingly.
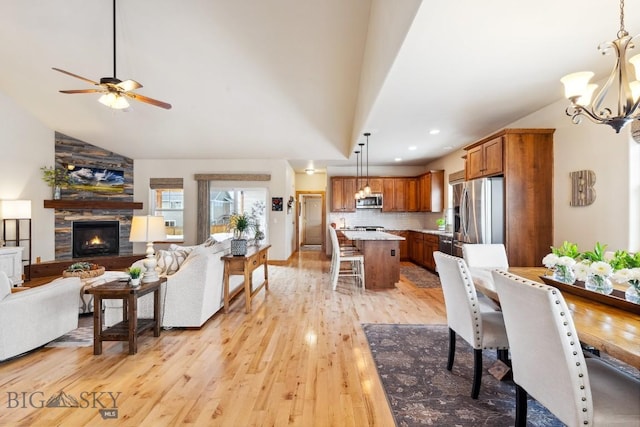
(372, 201)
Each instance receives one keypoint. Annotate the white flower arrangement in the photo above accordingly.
(631, 275)
(601, 268)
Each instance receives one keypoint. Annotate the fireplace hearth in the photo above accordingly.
(91, 238)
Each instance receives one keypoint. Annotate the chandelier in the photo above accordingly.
(580, 92)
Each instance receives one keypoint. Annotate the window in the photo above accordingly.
(167, 200)
(225, 201)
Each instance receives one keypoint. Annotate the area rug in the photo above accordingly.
(81, 337)
(411, 361)
(419, 276)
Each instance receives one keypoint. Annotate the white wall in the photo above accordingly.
(613, 218)
(281, 185)
(27, 145)
(315, 182)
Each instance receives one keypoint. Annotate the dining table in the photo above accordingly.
(607, 329)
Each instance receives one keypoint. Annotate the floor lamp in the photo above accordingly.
(16, 214)
(148, 229)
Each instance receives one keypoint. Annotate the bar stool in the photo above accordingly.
(354, 257)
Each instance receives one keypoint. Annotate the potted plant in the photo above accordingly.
(134, 274)
(441, 223)
(239, 224)
(55, 178)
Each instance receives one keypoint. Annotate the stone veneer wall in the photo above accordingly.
(71, 151)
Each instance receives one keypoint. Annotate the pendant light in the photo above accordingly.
(361, 191)
(580, 92)
(357, 194)
(367, 188)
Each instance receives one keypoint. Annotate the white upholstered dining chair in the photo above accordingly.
(482, 329)
(352, 256)
(485, 255)
(548, 363)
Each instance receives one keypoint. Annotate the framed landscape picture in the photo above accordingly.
(97, 179)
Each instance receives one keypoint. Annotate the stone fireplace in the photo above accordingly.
(92, 238)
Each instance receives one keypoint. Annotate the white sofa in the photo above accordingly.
(30, 319)
(192, 294)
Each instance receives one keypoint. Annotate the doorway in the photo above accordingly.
(311, 220)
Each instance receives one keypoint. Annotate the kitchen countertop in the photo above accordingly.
(436, 232)
(370, 235)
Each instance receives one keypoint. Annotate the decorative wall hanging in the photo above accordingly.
(582, 191)
(276, 204)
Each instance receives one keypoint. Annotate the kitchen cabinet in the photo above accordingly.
(375, 184)
(431, 191)
(430, 245)
(416, 247)
(411, 199)
(485, 159)
(526, 162)
(394, 194)
(343, 190)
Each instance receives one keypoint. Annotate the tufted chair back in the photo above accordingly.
(546, 356)
(490, 255)
(460, 298)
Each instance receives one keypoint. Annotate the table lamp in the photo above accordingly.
(148, 229)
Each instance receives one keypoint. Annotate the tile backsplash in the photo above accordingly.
(388, 220)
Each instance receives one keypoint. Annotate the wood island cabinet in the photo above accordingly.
(404, 244)
(343, 190)
(525, 158)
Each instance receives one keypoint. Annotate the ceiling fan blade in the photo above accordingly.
(148, 100)
(82, 91)
(128, 85)
(76, 76)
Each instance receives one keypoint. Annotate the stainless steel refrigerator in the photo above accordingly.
(481, 211)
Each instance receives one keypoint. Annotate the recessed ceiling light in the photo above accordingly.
(398, 159)
(310, 171)
(413, 148)
(434, 131)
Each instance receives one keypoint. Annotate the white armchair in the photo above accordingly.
(482, 329)
(549, 365)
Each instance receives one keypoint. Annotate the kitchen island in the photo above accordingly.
(381, 257)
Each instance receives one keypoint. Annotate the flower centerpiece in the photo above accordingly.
(561, 260)
(628, 271)
(239, 224)
(595, 270)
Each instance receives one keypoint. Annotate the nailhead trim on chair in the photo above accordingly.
(581, 387)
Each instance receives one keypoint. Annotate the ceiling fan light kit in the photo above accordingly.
(114, 91)
(580, 92)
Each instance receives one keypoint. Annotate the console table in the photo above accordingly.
(131, 326)
(245, 265)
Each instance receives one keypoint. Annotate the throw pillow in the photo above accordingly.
(188, 249)
(169, 261)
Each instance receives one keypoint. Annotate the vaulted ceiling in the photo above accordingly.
(300, 79)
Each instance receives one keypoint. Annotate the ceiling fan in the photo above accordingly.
(114, 90)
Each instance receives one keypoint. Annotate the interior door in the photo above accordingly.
(312, 220)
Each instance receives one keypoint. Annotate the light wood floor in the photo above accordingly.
(300, 359)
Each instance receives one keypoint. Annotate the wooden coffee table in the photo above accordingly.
(131, 326)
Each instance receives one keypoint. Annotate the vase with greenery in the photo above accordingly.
(239, 224)
(562, 260)
(56, 178)
(441, 223)
(134, 274)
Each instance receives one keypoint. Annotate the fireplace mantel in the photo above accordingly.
(91, 204)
